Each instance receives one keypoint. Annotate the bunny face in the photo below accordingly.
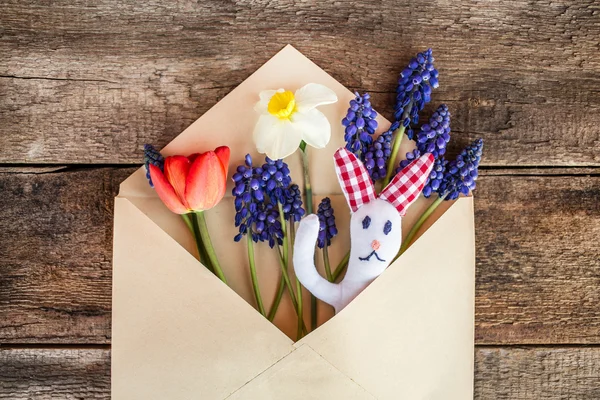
(376, 234)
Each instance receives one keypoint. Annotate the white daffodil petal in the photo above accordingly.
(275, 137)
(313, 95)
(314, 126)
(265, 96)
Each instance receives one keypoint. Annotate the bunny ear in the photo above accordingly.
(354, 179)
(406, 186)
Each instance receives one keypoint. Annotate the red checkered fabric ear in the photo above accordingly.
(406, 186)
(354, 179)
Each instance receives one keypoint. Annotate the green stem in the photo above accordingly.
(285, 235)
(341, 266)
(200, 225)
(391, 166)
(255, 286)
(300, 311)
(281, 288)
(277, 300)
(413, 231)
(188, 221)
(309, 210)
(326, 263)
(286, 279)
(201, 250)
(202, 254)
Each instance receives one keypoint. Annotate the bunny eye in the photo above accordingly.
(366, 222)
(387, 228)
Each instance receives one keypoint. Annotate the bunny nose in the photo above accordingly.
(375, 245)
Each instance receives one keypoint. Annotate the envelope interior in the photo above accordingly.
(230, 122)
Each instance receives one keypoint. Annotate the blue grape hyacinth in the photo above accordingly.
(410, 157)
(434, 136)
(414, 89)
(360, 124)
(292, 208)
(378, 153)
(255, 216)
(327, 228)
(152, 156)
(435, 178)
(461, 174)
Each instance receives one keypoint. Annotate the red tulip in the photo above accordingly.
(194, 183)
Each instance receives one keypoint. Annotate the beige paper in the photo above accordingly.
(179, 333)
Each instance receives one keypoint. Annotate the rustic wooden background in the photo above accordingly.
(84, 84)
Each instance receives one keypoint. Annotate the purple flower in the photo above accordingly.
(360, 124)
(461, 174)
(377, 155)
(255, 215)
(152, 156)
(414, 89)
(327, 228)
(435, 135)
(258, 192)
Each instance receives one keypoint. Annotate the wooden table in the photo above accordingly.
(83, 85)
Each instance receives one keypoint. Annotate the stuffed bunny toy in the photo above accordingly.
(375, 227)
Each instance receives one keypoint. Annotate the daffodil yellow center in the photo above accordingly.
(282, 104)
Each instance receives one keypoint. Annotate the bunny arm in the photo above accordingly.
(304, 264)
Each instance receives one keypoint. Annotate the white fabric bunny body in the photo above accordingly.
(375, 228)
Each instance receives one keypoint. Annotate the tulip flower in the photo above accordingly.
(195, 183)
(191, 185)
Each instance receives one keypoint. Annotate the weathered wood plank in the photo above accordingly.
(522, 75)
(500, 373)
(68, 374)
(538, 270)
(55, 255)
(538, 263)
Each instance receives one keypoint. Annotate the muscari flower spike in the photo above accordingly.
(461, 174)
(434, 136)
(414, 89)
(254, 214)
(292, 208)
(327, 228)
(378, 153)
(360, 124)
(152, 157)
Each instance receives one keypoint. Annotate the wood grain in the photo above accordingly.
(523, 75)
(500, 373)
(538, 271)
(66, 374)
(55, 254)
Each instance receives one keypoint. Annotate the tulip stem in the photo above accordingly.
(417, 226)
(201, 229)
(398, 134)
(254, 277)
(309, 210)
(187, 218)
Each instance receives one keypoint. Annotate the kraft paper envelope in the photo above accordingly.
(180, 333)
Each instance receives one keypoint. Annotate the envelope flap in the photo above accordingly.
(410, 334)
(231, 121)
(301, 375)
(171, 315)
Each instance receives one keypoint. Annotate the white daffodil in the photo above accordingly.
(286, 119)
